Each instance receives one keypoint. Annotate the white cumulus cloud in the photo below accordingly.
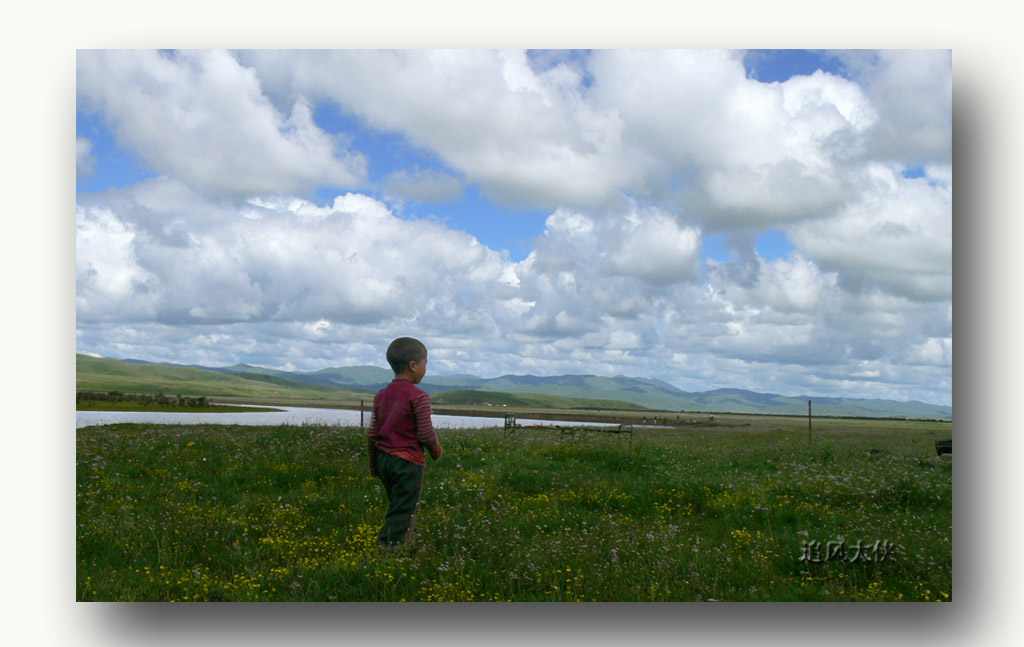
(352, 261)
(898, 235)
(912, 90)
(201, 117)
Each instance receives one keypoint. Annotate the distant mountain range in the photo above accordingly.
(651, 393)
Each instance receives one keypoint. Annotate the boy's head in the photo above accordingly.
(404, 350)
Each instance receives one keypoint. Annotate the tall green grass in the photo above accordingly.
(291, 513)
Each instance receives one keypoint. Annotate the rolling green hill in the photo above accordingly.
(102, 374)
(644, 392)
(575, 391)
(538, 400)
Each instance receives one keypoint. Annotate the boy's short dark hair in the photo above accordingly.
(404, 350)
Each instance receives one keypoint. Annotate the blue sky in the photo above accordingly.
(773, 220)
(779, 65)
(114, 167)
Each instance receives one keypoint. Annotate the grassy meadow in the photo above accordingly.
(205, 512)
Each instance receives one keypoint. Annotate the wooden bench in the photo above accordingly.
(620, 429)
(943, 447)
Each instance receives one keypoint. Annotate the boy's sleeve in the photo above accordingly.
(371, 439)
(425, 427)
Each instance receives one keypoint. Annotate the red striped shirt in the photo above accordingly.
(400, 424)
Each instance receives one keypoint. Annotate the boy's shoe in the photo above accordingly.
(390, 549)
(396, 549)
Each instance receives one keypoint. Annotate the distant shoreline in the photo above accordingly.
(666, 418)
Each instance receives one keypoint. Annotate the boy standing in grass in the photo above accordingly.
(400, 429)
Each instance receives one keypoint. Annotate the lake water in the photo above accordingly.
(287, 416)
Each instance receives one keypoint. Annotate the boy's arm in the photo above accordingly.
(371, 440)
(425, 427)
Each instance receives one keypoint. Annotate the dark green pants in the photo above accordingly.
(403, 483)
